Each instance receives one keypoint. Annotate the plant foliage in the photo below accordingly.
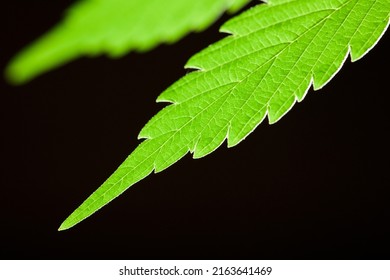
(275, 52)
(115, 27)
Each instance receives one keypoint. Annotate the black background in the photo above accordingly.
(314, 185)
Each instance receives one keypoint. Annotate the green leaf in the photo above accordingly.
(115, 27)
(274, 55)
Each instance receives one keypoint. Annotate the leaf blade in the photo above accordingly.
(240, 83)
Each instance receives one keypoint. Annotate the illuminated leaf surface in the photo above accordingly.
(275, 52)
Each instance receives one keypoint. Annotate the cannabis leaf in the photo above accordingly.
(115, 27)
(275, 53)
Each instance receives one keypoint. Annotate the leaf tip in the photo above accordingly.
(72, 220)
(189, 66)
(13, 76)
(66, 225)
(233, 141)
(226, 30)
(62, 227)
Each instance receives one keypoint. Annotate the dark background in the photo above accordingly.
(314, 185)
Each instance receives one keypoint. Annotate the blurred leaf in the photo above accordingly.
(115, 27)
